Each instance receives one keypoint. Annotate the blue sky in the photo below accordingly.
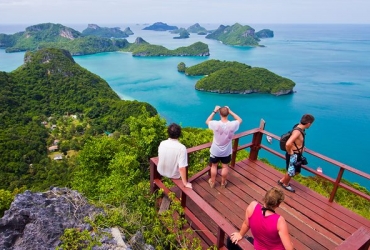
(183, 11)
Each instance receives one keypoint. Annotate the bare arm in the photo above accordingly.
(235, 237)
(183, 178)
(282, 228)
(210, 117)
(236, 117)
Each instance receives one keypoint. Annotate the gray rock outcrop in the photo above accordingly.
(38, 220)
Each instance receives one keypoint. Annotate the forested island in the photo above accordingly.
(159, 26)
(142, 48)
(49, 35)
(236, 78)
(116, 32)
(239, 35)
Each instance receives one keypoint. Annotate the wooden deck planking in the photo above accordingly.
(313, 222)
(296, 232)
(303, 215)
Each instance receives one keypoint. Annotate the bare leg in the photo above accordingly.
(213, 172)
(286, 179)
(224, 172)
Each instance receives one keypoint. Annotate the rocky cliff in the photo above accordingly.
(38, 220)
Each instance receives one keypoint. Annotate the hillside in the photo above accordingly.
(40, 95)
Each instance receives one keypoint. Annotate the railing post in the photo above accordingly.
(235, 151)
(256, 141)
(220, 238)
(183, 203)
(336, 185)
(153, 175)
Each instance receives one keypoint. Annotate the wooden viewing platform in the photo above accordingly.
(314, 221)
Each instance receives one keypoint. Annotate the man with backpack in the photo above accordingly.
(294, 150)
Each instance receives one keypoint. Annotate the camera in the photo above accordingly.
(303, 161)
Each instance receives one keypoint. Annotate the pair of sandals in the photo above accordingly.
(287, 187)
(212, 184)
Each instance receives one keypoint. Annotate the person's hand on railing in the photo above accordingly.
(188, 185)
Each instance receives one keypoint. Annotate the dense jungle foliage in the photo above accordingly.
(48, 87)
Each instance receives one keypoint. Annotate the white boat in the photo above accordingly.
(269, 139)
(319, 169)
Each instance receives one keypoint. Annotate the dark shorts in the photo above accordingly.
(299, 158)
(223, 160)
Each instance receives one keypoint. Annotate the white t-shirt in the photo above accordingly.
(172, 156)
(223, 133)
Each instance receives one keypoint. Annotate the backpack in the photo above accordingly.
(285, 137)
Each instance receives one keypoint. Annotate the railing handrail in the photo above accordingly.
(337, 182)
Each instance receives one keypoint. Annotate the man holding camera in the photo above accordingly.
(294, 150)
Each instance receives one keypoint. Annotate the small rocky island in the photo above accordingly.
(159, 26)
(225, 77)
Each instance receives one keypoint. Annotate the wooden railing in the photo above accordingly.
(255, 145)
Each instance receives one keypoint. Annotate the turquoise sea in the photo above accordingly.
(329, 63)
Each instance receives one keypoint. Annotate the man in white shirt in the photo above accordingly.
(172, 155)
(221, 148)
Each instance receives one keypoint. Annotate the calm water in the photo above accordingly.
(329, 63)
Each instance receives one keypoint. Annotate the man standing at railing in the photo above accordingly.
(172, 156)
(221, 148)
(294, 150)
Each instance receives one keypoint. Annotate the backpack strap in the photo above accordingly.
(303, 133)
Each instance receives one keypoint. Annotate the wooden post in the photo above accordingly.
(336, 185)
(220, 238)
(235, 151)
(256, 142)
(153, 175)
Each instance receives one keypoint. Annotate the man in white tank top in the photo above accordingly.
(221, 148)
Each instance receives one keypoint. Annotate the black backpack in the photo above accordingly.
(285, 137)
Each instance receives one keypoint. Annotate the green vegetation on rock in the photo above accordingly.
(142, 48)
(237, 78)
(239, 35)
(196, 28)
(95, 30)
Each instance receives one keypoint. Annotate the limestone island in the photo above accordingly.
(196, 28)
(49, 35)
(116, 32)
(226, 77)
(159, 26)
(239, 35)
(183, 33)
(142, 48)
